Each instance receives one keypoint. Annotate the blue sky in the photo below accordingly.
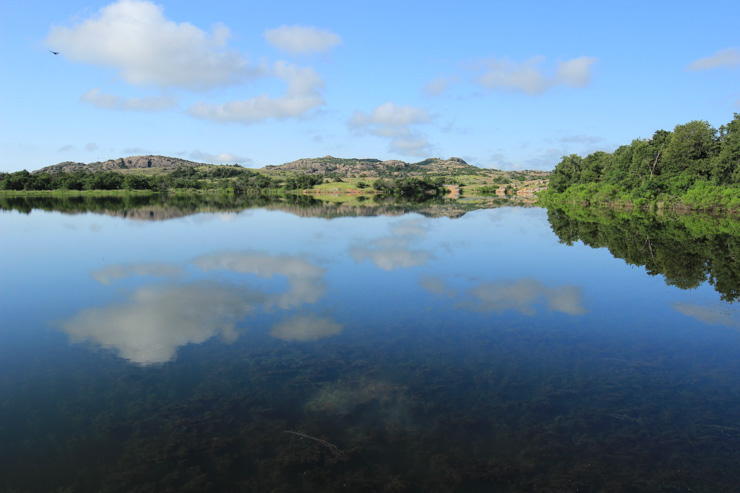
(502, 85)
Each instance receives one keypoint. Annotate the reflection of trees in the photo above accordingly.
(686, 251)
(162, 206)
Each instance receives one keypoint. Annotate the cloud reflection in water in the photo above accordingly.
(393, 252)
(521, 295)
(110, 273)
(154, 322)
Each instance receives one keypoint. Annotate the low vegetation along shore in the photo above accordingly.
(694, 167)
(321, 176)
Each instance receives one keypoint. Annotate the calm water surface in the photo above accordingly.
(265, 351)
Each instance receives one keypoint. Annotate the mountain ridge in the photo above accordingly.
(324, 166)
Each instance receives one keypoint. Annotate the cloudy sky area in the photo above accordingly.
(500, 85)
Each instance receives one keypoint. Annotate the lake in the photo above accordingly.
(301, 347)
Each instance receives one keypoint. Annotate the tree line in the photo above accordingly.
(229, 178)
(669, 164)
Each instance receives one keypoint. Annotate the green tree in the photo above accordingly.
(566, 173)
(726, 166)
(691, 148)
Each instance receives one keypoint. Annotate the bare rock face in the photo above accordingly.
(132, 162)
(329, 165)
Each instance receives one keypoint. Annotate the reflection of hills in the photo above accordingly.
(155, 207)
(686, 250)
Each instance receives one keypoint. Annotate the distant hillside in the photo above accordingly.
(163, 163)
(330, 165)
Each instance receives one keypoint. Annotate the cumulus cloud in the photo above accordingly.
(100, 99)
(305, 328)
(150, 326)
(134, 38)
(522, 295)
(111, 273)
(529, 77)
(220, 158)
(303, 94)
(305, 280)
(298, 40)
(729, 57)
(394, 122)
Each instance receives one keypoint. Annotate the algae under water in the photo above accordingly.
(266, 351)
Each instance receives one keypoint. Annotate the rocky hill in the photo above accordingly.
(330, 165)
(163, 163)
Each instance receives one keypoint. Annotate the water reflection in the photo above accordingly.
(712, 315)
(522, 295)
(111, 273)
(686, 250)
(305, 280)
(394, 252)
(308, 327)
(502, 361)
(154, 321)
(162, 207)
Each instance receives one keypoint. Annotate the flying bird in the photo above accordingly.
(55, 52)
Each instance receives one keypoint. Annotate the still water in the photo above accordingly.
(506, 349)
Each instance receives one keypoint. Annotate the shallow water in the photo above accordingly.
(265, 351)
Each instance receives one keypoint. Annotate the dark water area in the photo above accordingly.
(291, 348)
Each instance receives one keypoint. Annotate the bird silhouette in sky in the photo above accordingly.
(55, 52)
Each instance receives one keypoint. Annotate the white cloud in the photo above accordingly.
(302, 95)
(299, 40)
(729, 57)
(134, 38)
(438, 86)
(67, 148)
(521, 295)
(391, 115)
(305, 328)
(394, 122)
(528, 76)
(574, 73)
(91, 146)
(220, 158)
(153, 323)
(100, 99)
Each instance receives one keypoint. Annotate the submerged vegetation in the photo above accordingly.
(694, 167)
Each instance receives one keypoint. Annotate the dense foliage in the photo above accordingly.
(694, 157)
(211, 178)
(409, 187)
